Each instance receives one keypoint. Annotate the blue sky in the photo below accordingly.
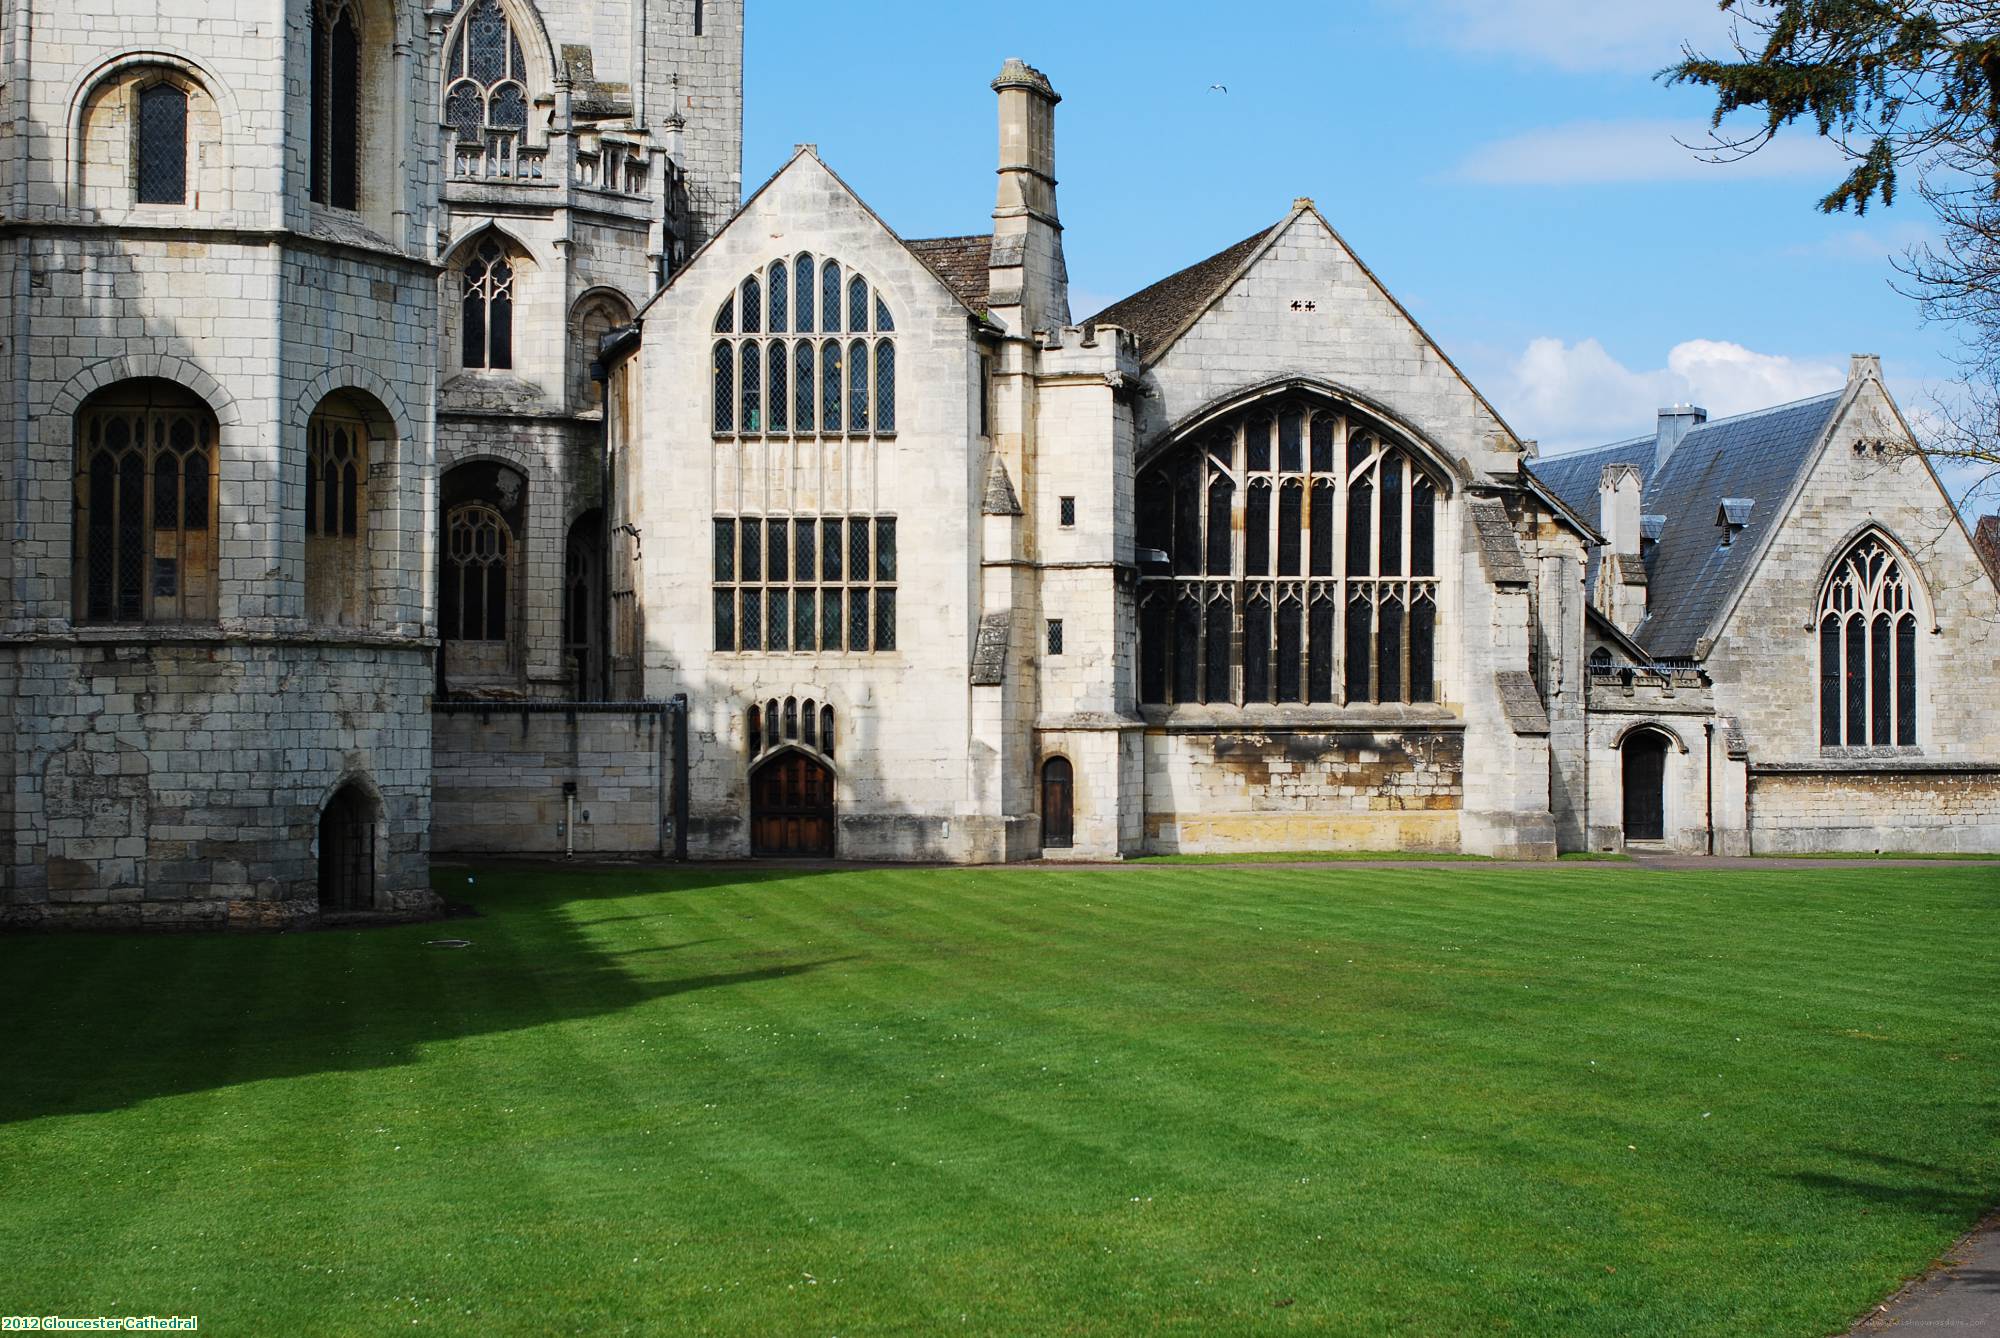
(1507, 167)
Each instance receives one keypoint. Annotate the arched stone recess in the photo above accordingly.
(597, 311)
(362, 859)
(160, 55)
(57, 423)
(1666, 731)
(357, 530)
(1340, 396)
(348, 376)
(1835, 555)
(805, 720)
(493, 277)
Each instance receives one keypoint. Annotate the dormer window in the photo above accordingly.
(1732, 517)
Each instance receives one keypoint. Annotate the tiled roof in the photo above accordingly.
(1153, 315)
(1756, 457)
(1987, 540)
(961, 262)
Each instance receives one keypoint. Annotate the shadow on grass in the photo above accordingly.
(100, 1023)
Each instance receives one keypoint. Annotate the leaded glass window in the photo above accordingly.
(844, 386)
(163, 150)
(486, 94)
(336, 497)
(810, 584)
(1867, 626)
(1300, 539)
(335, 57)
(144, 506)
(478, 566)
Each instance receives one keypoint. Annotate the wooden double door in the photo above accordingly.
(791, 807)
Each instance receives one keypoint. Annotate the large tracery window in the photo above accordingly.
(1867, 652)
(771, 377)
(1300, 544)
(145, 506)
(483, 523)
(336, 104)
(486, 314)
(817, 584)
(485, 93)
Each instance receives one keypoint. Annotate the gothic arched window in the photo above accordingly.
(1867, 651)
(336, 104)
(485, 92)
(782, 386)
(487, 308)
(478, 558)
(145, 505)
(1300, 555)
(337, 458)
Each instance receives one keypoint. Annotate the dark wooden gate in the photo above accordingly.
(1058, 804)
(1645, 774)
(347, 853)
(791, 807)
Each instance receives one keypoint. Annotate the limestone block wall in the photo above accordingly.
(178, 784)
(1806, 809)
(500, 772)
(902, 782)
(1294, 786)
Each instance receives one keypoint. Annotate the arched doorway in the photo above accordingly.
(1644, 770)
(791, 807)
(1058, 804)
(347, 852)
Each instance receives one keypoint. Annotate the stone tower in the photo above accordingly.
(218, 235)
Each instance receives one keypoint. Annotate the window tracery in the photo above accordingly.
(335, 177)
(337, 458)
(770, 377)
(1867, 651)
(485, 87)
(487, 308)
(145, 503)
(812, 584)
(1300, 551)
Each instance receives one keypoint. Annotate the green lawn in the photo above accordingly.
(1581, 1100)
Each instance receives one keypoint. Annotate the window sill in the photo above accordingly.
(1296, 717)
(212, 633)
(781, 434)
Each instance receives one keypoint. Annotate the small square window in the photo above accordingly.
(1068, 512)
(1055, 636)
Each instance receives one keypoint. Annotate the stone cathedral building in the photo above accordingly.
(416, 446)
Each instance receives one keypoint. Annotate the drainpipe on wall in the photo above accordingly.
(1708, 778)
(679, 705)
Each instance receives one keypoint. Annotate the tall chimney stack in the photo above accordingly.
(1676, 421)
(1028, 283)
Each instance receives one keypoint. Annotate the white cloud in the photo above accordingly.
(1637, 36)
(1576, 395)
(1598, 152)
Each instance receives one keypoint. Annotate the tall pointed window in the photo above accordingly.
(145, 506)
(487, 308)
(1867, 652)
(336, 104)
(486, 94)
(1300, 564)
(337, 458)
(163, 147)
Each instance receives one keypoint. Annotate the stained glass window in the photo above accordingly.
(163, 150)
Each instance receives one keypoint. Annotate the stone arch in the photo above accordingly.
(351, 376)
(56, 423)
(1644, 790)
(1834, 556)
(349, 844)
(351, 459)
(1274, 388)
(545, 72)
(597, 311)
(532, 307)
(1056, 800)
(1668, 732)
(161, 55)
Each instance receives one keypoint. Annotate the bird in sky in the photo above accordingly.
(1218, 88)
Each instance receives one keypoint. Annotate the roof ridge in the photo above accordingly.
(1769, 408)
(953, 237)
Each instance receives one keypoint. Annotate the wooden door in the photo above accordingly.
(1058, 804)
(791, 807)
(1645, 776)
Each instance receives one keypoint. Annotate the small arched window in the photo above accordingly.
(145, 505)
(767, 384)
(485, 93)
(336, 104)
(163, 144)
(1867, 651)
(487, 308)
(337, 458)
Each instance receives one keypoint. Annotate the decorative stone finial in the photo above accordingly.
(1017, 73)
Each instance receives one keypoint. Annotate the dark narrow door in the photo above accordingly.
(1645, 771)
(791, 807)
(346, 854)
(1058, 813)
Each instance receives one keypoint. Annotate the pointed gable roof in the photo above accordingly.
(962, 262)
(1156, 315)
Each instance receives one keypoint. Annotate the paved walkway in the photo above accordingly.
(1961, 1295)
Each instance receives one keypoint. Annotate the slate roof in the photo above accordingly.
(1154, 314)
(961, 262)
(1693, 575)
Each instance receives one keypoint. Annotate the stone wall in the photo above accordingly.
(501, 777)
(180, 784)
(1299, 788)
(1806, 809)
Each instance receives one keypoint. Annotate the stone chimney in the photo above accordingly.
(1676, 421)
(1621, 593)
(1028, 284)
